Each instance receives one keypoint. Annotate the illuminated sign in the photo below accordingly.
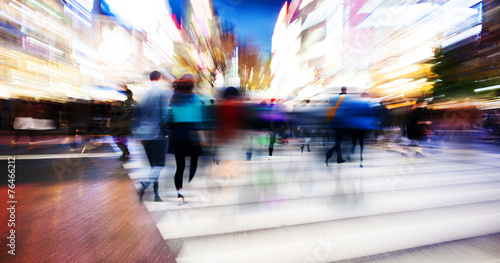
(81, 10)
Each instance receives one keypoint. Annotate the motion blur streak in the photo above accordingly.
(345, 130)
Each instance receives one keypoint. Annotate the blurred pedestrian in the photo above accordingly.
(100, 113)
(333, 116)
(210, 121)
(418, 125)
(78, 116)
(306, 130)
(259, 123)
(277, 125)
(121, 122)
(150, 117)
(489, 123)
(361, 120)
(22, 120)
(187, 137)
(232, 135)
(231, 116)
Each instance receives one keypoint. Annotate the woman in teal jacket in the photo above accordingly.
(187, 137)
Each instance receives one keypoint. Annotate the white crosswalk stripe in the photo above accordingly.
(295, 209)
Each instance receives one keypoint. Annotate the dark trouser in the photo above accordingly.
(180, 161)
(156, 151)
(358, 135)
(121, 142)
(307, 133)
(339, 136)
(272, 141)
(30, 133)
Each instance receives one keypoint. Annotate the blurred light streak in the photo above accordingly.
(321, 14)
(25, 81)
(202, 8)
(161, 44)
(92, 72)
(281, 17)
(370, 6)
(304, 3)
(86, 4)
(41, 44)
(83, 52)
(401, 104)
(425, 53)
(37, 17)
(396, 16)
(201, 25)
(310, 91)
(15, 7)
(461, 3)
(145, 16)
(4, 91)
(173, 29)
(148, 52)
(487, 88)
(461, 36)
(36, 2)
(416, 39)
(409, 69)
(387, 97)
(77, 16)
(106, 94)
(408, 87)
(9, 54)
(394, 83)
(84, 10)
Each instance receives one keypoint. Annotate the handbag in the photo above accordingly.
(330, 112)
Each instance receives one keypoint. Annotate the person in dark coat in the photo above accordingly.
(418, 125)
(78, 115)
(121, 122)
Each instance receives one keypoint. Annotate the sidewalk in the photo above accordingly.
(78, 210)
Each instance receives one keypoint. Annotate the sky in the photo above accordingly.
(251, 17)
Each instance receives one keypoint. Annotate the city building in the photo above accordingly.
(384, 47)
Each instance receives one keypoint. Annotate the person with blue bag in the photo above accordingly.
(349, 115)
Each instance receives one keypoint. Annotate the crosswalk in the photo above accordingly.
(295, 209)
